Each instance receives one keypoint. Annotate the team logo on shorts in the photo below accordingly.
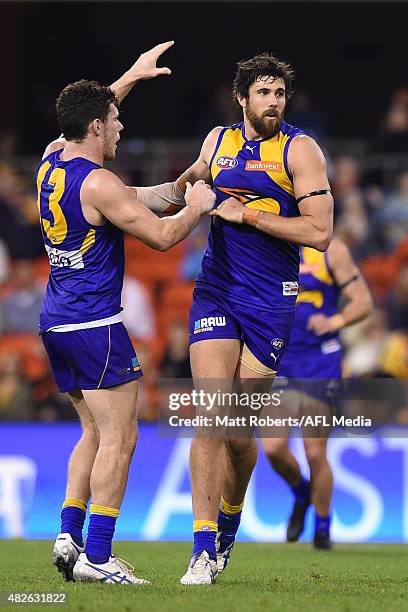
(207, 324)
(135, 364)
(226, 162)
(278, 343)
(290, 288)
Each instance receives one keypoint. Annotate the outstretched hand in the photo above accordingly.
(145, 67)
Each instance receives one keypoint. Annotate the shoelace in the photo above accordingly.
(199, 565)
(124, 565)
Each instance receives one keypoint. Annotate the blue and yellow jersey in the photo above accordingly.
(318, 293)
(242, 263)
(87, 261)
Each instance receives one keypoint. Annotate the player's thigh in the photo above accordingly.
(214, 336)
(85, 415)
(114, 409)
(216, 358)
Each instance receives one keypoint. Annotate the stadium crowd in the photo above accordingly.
(370, 188)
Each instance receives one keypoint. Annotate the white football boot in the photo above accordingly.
(114, 571)
(65, 554)
(224, 549)
(201, 570)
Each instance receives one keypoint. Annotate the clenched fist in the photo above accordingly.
(200, 196)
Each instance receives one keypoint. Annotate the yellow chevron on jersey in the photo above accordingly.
(273, 150)
(231, 144)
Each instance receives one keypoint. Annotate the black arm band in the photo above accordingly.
(313, 193)
(347, 283)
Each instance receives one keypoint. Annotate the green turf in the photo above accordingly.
(287, 577)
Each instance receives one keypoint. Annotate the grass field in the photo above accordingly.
(287, 577)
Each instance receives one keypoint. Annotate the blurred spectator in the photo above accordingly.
(138, 313)
(4, 263)
(393, 215)
(352, 221)
(176, 361)
(221, 110)
(16, 400)
(196, 243)
(20, 228)
(394, 133)
(20, 311)
(304, 114)
(398, 301)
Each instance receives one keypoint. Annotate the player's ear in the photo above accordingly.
(241, 101)
(95, 127)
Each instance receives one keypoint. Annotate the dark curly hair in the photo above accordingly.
(264, 64)
(79, 104)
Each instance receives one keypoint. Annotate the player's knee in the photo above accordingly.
(274, 447)
(90, 434)
(315, 455)
(239, 447)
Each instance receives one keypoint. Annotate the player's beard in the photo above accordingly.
(264, 126)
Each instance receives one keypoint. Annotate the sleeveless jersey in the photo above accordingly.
(242, 263)
(87, 261)
(318, 293)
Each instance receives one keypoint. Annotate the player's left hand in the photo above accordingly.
(145, 67)
(319, 324)
(231, 210)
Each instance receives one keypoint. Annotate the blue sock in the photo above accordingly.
(205, 533)
(99, 540)
(302, 492)
(72, 522)
(205, 540)
(228, 523)
(322, 524)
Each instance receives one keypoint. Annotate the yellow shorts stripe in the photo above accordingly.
(76, 503)
(249, 360)
(95, 509)
(205, 526)
(229, 508)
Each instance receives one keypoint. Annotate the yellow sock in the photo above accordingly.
(104, 510)
(76, 503)
(203, 525)
(229, 508)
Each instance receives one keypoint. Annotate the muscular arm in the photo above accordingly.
(359, 303)
(169, 197)
(144, 68)
(314, 226)
(104, 192)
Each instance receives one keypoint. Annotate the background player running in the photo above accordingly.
(314, 355)
(84, 210)
(248, 282)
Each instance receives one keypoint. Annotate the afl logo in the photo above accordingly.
(277, 343)
(226, 162)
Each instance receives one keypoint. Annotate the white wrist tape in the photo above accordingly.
(159, 197)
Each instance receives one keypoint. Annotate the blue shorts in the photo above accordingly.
(312, 372)
(96, 358)
(264, 332)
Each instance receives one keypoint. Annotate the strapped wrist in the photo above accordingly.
(251, 216)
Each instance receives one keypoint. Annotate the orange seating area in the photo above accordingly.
(171, 297)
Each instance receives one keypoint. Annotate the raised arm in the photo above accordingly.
(358, 301)
(144, 68)
(104, 196)
(169, 197)
(314, 226)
